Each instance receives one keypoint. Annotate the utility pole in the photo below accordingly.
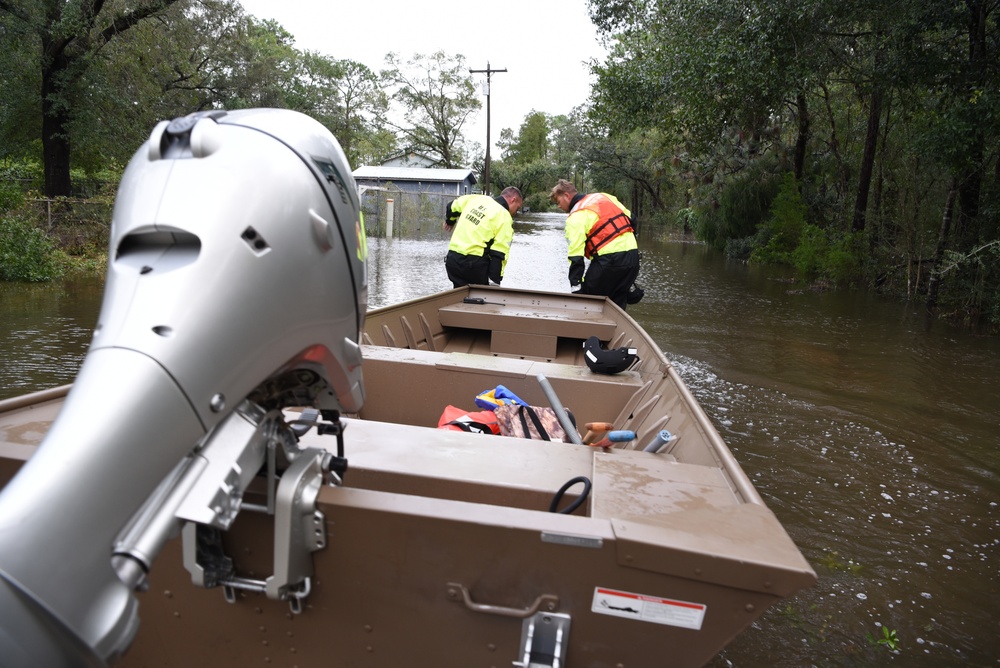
(486, 171)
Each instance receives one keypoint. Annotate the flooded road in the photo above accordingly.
(875, 440)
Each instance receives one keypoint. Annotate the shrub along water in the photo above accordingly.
(26, 253)
(41, 240)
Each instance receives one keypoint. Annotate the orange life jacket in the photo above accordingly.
(611, 224)
(459, 419)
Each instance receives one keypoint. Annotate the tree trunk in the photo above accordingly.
(970, 187)
(636, 202)
(968, 200)
(934, 283)
(803, 137)
(55, 122)
(880, 232)
(68, 44)
(834, 143)
(867, 161)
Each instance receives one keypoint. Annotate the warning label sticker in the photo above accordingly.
(648, 608)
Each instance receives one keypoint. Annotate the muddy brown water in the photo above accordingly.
(875, 439)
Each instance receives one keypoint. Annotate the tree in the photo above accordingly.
(192, 55)
(260, 68)
(188, 58)
(532, 139)
(20, 123)
(884, 111)
(526, 162)
(568, 144)
(68, 36)
(438, 97)
(506, 143)
(345, 95)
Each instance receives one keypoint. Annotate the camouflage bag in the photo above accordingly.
(534, 422)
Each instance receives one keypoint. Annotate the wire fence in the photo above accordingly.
(415, 215)
(78, 223)
(73, 223)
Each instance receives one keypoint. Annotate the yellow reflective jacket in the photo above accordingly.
(482, 223)
(587, 229)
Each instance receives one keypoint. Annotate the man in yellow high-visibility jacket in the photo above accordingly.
(599, 228)
(482, 228)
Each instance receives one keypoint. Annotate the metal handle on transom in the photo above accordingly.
(459, 592)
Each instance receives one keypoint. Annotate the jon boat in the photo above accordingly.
(440, 548)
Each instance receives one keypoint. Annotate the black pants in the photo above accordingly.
(467, 269)
(612, 275)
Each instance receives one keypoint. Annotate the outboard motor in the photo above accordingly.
(236, 277)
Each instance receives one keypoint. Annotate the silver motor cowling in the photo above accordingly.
(236, 269)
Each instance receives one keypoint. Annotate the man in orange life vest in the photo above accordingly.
(599, 228)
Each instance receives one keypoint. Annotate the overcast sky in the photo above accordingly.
(544, 45)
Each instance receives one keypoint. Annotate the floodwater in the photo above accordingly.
(873, 438)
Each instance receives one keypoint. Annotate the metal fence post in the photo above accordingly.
(389, 211)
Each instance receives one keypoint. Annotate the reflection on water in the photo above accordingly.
(874, 440)
(44, 332)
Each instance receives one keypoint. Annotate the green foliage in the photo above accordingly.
(26, 253)
(832, 561)
(347, 97)
(538, 201)
(27, 173)
(57, 45)
(738, 208)
(730, 84)
(810, 251)
(11, 196)
(686, 218)
(537, 176)
(20, 83)
(532, 141)
(163, 60)
(889, 639)
(788, 238)
(739, 249)
(971, 293)
(784, 227)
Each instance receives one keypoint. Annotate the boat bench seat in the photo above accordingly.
(521, 327)
(396, 379)
(456, 465)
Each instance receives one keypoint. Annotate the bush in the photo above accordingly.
(810, 256)
(26, 254)
(819, 255)
(740, 249)
(784, 227)
(970, 288)
(538, 202)
(739, 208)
(843, 263)
(27, 174)
(11, 196)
